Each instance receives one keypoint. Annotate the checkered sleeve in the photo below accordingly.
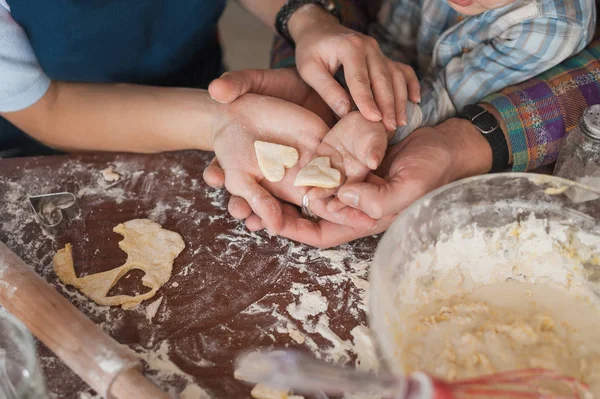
(540, 112)
(356, 14)
(518, 54)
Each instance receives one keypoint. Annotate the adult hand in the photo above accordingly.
(379, 86)
(242, 123)
(284, 83)
(426, 160)
(251, 118)
(429, 158)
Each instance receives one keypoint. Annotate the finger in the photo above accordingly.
(400, 94)
(319, 78)
(383, 90)
(253, 223)
(347, 216)
(213, 174)
(323, 234)
(335, 205)
(359, 83)
(379, 201)
(318, 193)
(239, 208)
(412, 81)
(368, 146)
(243, 185)
(231, 85)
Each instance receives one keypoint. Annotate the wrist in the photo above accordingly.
(470, 151)
(307, 17)
(213, 118)
(496, 114)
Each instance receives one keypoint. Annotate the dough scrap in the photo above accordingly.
(149, 248)
(318, 173)
(273, 159)
(110, 175)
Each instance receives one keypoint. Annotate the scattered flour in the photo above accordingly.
(153, 308)
(193, 391)
(310, 303)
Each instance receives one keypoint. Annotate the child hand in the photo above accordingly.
(378, 86)
(356, 147)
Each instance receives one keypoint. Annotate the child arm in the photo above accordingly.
(521, 52)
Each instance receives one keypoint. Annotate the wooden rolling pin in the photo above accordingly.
(110, 368)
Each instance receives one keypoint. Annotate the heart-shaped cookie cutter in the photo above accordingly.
(48, 208)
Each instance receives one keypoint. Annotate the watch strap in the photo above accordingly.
(489, 127)
(291, 6)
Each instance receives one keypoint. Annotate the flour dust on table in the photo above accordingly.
(231, 290)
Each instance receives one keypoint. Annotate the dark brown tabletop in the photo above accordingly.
(231, 290)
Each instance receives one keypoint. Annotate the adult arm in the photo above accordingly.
(519, 53)
(108, 117)
(538, 113)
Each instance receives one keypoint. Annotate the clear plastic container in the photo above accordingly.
(491, 201)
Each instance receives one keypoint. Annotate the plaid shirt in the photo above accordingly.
(540, 112)
(462, 59)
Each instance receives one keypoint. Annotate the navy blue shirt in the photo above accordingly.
(155, 42)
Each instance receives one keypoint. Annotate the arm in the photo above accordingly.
(356, 15)
(74, 116)
(517, 55)
(119, 117)
(538, 113)
(378, 86)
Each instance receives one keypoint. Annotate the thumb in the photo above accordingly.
(379, 198)
(232, 85)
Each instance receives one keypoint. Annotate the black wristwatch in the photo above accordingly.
(489, 127)
(291, 6)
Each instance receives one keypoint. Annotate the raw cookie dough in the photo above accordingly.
(110, 175)
(273, 159)
(318, 173)
(506, 326)
(149, 247)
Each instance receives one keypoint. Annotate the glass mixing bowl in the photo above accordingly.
(490, 201)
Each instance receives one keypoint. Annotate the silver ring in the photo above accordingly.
(306, 212)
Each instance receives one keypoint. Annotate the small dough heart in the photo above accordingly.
(318, 173)
(274, 158)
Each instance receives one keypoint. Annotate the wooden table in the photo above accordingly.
(231, 290)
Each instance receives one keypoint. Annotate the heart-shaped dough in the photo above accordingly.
(318, 173)
(274, 158)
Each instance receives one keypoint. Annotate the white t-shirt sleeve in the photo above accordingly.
(22, 80)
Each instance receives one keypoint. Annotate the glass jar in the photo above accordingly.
(579, 157)
(20, 373)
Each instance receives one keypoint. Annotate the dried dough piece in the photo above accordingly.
(149, 247)
(273, 159)
(318, 173)
(110, 175)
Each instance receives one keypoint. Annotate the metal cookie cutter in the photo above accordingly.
(47, 208)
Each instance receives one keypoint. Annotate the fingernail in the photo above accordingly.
(377, 114)
(403, 119)
(342, 108)
(350, 197)
(419, 100)
(373, 161)
(392, 121)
